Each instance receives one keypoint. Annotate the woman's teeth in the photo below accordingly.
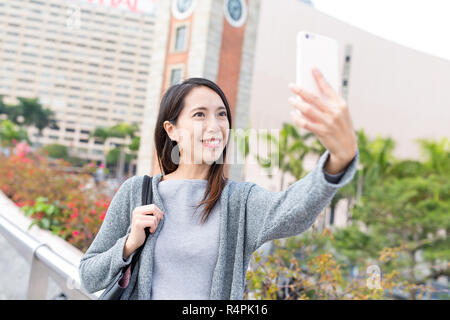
(211, 143)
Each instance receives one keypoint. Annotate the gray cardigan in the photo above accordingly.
(250, 215)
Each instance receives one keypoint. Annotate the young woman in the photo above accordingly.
(204, 254)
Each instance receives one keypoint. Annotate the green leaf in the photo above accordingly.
(50, 210)
(41, 207)
(41, 199)
(45, 222)
(32, 224)
(29, 211)
(55, 229)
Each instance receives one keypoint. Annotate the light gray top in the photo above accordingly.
(186, 250)
(249, 215)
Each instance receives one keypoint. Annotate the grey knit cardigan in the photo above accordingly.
(250, 215)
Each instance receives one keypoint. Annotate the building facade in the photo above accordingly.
(213, 39)
(88, 61)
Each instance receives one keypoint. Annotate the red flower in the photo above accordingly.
(102, 217)
(74, 214)
(93, 211)
(75, 233)
(70, 205)
(86, 220)
(26, 160)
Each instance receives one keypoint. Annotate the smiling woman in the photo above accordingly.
(181, 258)
(191, 135)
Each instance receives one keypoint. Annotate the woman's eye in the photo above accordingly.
(224, 114)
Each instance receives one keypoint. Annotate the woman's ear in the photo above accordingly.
(170, 130)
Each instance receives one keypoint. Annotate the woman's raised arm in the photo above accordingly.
(272, 215)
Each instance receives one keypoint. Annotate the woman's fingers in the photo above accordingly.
(148, 221)
(323, 85)
(317, 128)
(149, 209)
(308, 111)
(309, 97)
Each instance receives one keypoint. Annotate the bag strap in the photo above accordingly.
(147, 198)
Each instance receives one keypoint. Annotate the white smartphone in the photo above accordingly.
(319, 51)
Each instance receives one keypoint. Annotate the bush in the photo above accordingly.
(56, 200)
(307, 268)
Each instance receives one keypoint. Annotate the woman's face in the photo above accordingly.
(203, 117)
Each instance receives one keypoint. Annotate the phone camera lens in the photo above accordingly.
(307, 36)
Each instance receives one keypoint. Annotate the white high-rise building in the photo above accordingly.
(87, 60)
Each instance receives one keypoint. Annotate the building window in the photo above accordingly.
(175, 76)
(180, 38)
(346, 71)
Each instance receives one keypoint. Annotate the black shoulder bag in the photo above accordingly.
(114, 291)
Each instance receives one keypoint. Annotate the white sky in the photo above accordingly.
(423, 25)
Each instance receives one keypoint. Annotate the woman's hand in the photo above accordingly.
(329, 119)
(143, 217)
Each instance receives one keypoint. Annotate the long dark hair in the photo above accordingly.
(172, 103)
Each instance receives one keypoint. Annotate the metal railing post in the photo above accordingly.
(44, 263)
(38, 279)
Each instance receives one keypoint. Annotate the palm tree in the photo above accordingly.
(290, 150)
(437, 154)
(122, 130)
(375, 160)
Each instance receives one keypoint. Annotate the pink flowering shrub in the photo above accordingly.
(54, 199)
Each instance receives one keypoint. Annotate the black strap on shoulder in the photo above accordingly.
(147, 198)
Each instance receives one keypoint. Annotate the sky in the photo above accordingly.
(423, 25)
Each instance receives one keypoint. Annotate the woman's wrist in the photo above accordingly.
(129, 248)
(334, 165)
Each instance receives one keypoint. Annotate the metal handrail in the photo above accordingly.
(44, 263)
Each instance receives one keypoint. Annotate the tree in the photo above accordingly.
(121, 130)
(401, 210)
(57, 151)
(290, 149)
(9, 133)
(408, 206)
(29, 112)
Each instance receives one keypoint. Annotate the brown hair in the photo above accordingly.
(172, 103)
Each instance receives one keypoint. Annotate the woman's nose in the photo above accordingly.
(212, 124)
